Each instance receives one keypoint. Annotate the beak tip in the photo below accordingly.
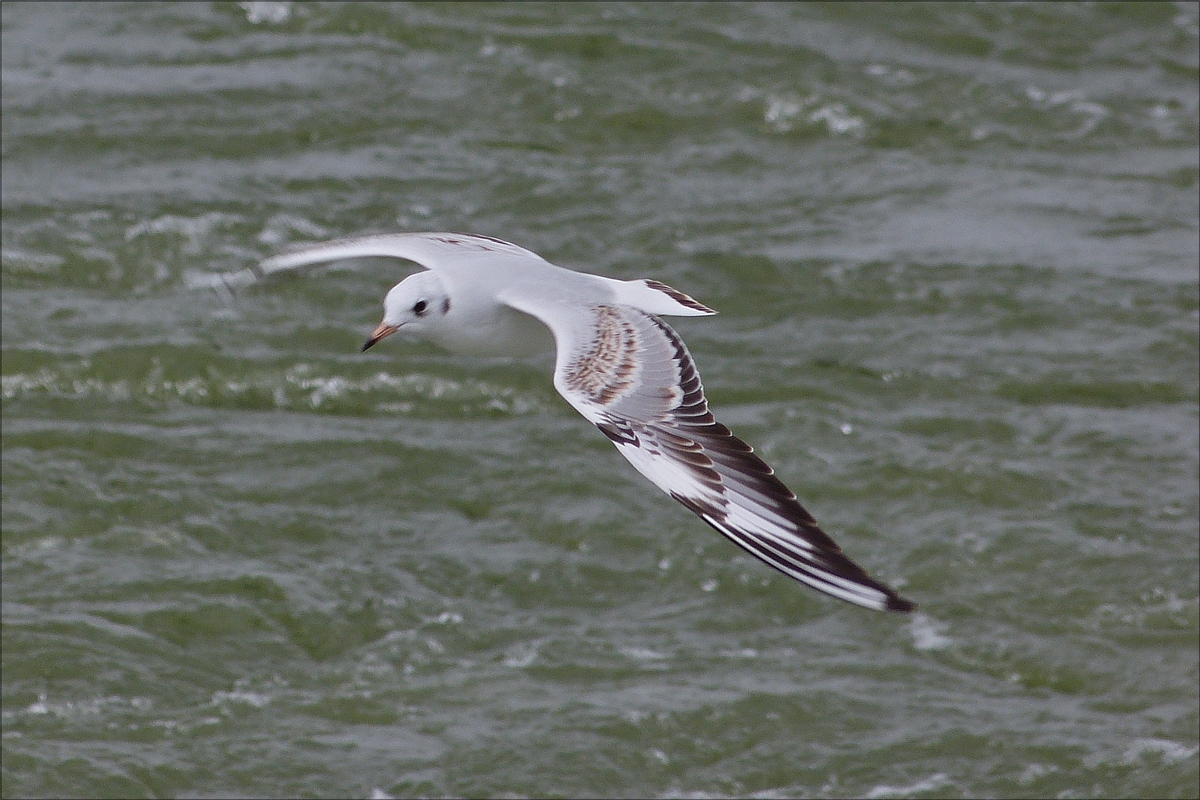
(378, 335)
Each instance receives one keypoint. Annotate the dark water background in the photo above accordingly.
(955, 251)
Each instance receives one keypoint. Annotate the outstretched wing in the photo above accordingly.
(429, 250)
(630, 374)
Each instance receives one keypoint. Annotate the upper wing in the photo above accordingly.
(430, 250)
(630, 374)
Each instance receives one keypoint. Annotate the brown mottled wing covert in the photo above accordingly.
(631, 375)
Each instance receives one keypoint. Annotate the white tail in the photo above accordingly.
(657, 298)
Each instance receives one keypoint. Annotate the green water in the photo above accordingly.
(955, 252)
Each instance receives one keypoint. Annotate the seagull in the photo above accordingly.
(617, 363)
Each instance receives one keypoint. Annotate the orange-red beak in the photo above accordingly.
(379, 334)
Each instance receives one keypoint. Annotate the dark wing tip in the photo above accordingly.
(898, 604)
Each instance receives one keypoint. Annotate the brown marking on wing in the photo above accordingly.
(741, 469)
(449, 240)
(479, 241)
(605, 372)
(724, 482)
(492, 239)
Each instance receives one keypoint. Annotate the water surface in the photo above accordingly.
(955, 252)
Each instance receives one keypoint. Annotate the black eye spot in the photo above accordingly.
(420, 307)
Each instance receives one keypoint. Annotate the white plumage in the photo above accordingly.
(619, 365)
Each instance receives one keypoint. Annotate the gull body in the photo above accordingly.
(618, 364)
(427, 306)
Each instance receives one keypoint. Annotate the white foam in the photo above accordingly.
(935, 781)
(928, 634)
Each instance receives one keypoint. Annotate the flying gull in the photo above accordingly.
(618, 364)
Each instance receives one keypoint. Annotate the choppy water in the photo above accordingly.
(955, 250)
